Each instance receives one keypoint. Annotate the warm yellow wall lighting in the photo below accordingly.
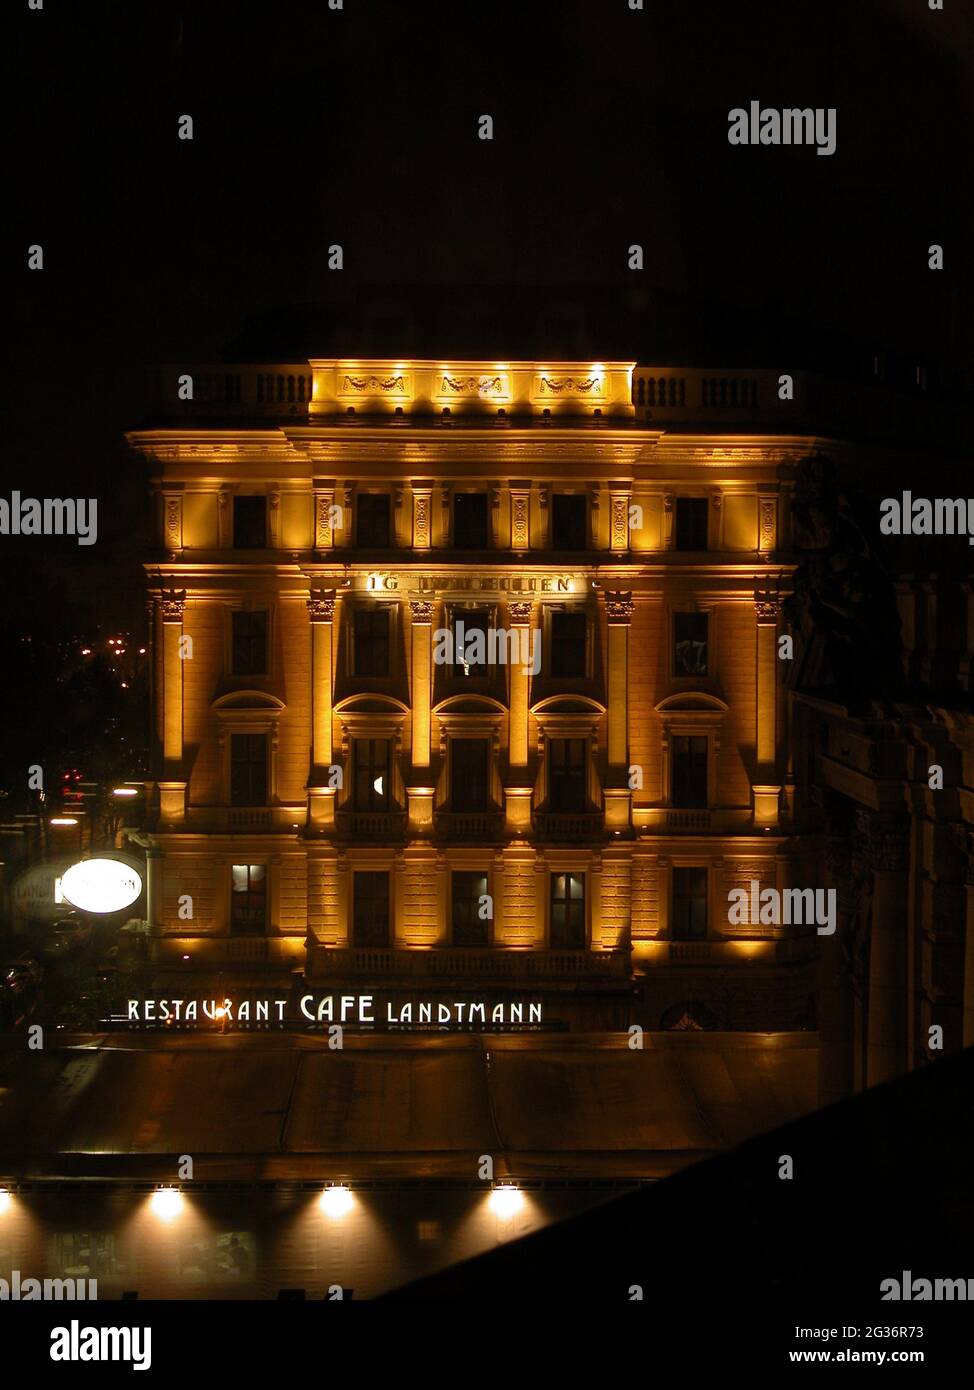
(336, 1202)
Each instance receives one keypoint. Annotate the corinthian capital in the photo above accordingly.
(767, 605)
(618, 606)
(421, 610)
(321, 605)
(173, 605)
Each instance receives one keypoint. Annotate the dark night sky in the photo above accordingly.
(359, 126)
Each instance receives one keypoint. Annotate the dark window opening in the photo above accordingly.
(691, 523)
(371, 640)
(688, 916)
(372, 521)
(689, 772)
(470, 924)
(568, 912)
(566, 775)
(370, 758)
(569, 521)
(250, 523)
(467, 649)
(248, 770)
(249, 644)
(248, 898)
(568, 638)
(370, 909)
(690, 643)
(471, 530)
(469, 774)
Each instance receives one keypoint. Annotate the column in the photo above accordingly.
(886, 1023)
(520, 515)
(620, 496)
(321, 791)
(422, 514)
(173, 517)
(766, 790)
(968, 1023)
(324, 502)
(172, 788)
(420, 789)
(517, 794)
(618, 613)
(767, 525)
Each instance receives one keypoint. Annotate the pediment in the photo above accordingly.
(253, 701)
(371, 704)
(691, 701)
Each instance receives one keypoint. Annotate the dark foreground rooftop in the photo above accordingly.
(882, 1188)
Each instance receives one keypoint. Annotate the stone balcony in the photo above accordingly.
(468, 967)
(568, 827)
(374, 826)
(469, 827)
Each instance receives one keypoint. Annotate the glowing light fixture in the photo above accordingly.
(125, 791)
(506, 1202)
(101, 885)
(167, 1203)
(336, 1202)
(63, 820)
(5, 1200)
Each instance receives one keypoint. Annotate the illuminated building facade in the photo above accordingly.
(345, 786)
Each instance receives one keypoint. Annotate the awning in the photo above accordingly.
(288, 1107)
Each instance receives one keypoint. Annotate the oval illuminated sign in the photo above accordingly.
(101, 885)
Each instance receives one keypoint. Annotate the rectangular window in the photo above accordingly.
(370, 909)
(568, 637)
(468, 774)
(569, 521)
(249, 644)
(467, 648)
(689, 754)
(568, 912)
(248, 769)
(690, 643)
(688, 910)
(566, 774)
(691, 523)
(248, 898)
(250, 523)
(372, 520)
(470, 521)
(371, 641)
(470, 923)
(370, 758)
